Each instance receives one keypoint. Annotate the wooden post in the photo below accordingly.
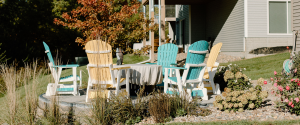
(152, 40)
(163, 16)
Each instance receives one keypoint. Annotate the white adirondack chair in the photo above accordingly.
(57, 88)
(212, 69)
(192, 75)
(101, 71)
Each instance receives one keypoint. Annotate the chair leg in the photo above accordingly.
(87, 94)
(205, 97)
(218, 88)
(165, 87)
(213, 86)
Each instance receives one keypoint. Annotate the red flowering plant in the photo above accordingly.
(287, 89)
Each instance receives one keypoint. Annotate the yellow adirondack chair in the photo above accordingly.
(211, 69)
(101, 71)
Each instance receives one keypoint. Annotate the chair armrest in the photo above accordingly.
(121, 68)
(151, 63)
(169, 67)
(198, 52)
(173, 64)
(67, 66)
(196, 65)
(214, 66)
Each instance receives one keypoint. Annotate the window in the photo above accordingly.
(280, 17)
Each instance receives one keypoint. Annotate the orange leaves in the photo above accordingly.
(114, 20)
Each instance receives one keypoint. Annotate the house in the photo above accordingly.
(241, 25)
(296, 23)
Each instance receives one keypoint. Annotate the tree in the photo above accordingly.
(25, 24)
(116, 21)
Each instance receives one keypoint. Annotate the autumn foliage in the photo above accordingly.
(116, 21)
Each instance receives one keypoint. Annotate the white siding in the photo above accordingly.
(258, 19)
(225, 23)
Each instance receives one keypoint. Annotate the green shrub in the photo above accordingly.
(240, 100)
(287, 89)
(232, 77)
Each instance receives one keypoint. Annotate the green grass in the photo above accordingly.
(261, 66)
(242, 122)
(132, 59)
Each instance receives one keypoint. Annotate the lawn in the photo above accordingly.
(262, 66)
(131, 59)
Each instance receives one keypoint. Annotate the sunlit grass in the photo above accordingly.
(261, 66)
(132, 59)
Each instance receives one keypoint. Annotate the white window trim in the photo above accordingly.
(287, 25)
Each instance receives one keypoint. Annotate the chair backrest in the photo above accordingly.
(47, 50)
(215, 50)
(99, 54)
(166, 55)
(196, 58)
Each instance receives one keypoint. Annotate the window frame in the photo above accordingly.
(287, 24)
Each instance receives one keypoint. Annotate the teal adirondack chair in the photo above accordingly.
(166, 57)
(57, 88)
(193, 73)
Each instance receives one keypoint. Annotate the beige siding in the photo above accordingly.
(296, 21)
(259, 42)
(258, 19)
(225, 23)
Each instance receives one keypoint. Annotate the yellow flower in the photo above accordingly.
(218, 98)
(224, 94)
(244, 101)
(227, 90)
(263, 94)
(236, 105)
(230, 105)
(229, 74)
(246, 79)
(251, 89)
(241, 105)
(251, 106)
(241, 110)
(260, 81)
(233, 99)
(220, 106)
(238, 75)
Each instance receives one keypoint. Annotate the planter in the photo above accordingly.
(81, 61)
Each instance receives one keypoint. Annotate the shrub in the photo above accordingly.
(117, 109)
(164, 106)
(240, 100)
(232, 77)
(137, 52)
(287, 89)
(129, 50)
(145, 49)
